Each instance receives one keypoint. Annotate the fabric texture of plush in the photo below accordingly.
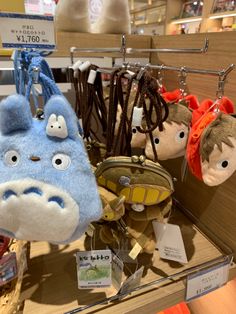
(114, 18)
(47, 188)
(72, 16)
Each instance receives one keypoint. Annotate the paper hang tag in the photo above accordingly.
(206, 281)
(90, 230)
(137, 116)
(93, 269)
(92, 77)
(170, 242)
(132, 282)
(117, 271)
(135, 251)
(8, 268)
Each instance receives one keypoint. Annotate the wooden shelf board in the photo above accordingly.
(50, 285)
(223, 14)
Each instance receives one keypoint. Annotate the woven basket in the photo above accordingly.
(10, 293)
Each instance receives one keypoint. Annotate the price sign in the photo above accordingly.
(206, 281)
(27, 31)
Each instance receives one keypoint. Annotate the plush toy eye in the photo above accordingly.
(223, 164)
(61, 161)
(156, 140)
(12, 158)
(134, 130)
(180, 136)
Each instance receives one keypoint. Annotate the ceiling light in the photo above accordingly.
(187, 20)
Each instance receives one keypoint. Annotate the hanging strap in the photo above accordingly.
(39, 72)
(111, 113)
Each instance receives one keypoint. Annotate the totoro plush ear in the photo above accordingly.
(15, 114)
(61, 120)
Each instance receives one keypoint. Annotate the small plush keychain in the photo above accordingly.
(211, 140)
(48, 191)
(171, 142)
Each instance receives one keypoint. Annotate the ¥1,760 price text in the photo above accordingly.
(30, 39)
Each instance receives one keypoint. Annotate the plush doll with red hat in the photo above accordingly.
(211, 146)
(171, 142)
(218, 150)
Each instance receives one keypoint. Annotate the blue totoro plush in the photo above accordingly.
(47, 189)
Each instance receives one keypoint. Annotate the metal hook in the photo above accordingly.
(222, 80)
(123, 47)
(160, 77)
(182, 81)
(206, 46)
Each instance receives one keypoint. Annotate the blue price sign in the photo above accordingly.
(27, 31)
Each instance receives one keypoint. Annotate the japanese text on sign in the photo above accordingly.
(206, 281)
(27, 31)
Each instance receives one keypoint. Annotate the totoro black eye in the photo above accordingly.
(157, 141)
(14, 158)
(58, 161)
(134, 131)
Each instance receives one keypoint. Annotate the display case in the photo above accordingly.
(206, 215)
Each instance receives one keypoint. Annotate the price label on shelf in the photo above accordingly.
(27, 31)
(206, 281)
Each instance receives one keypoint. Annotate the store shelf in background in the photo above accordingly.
(50, 285)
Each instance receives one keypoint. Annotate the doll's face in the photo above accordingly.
(221, 165)
(138, 139)
(170, 143)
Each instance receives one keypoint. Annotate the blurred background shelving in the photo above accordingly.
(157, 17)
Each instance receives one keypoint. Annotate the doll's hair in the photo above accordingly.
(179, 114)
(218, 132)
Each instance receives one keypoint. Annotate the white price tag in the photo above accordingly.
(206, 281)
(94, 269)
(170, 242)
(132, 282)
(27, 31)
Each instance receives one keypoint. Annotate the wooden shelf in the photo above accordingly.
(50, 285)
(187, 20)
(223, 14)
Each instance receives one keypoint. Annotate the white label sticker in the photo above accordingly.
(170, 242)
(137, 116)
(27, 31)
(132, 282)
(206, 281)
(117, 271)
(94, 269)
